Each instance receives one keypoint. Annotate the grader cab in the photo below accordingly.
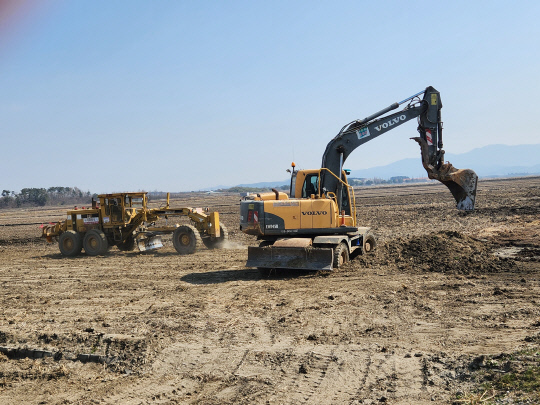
(124, 220)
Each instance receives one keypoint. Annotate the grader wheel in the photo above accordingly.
(217, 243)
(70, 243)
(95, 243)
(127, 245)
(186, 239)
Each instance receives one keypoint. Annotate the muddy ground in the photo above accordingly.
(412, 323)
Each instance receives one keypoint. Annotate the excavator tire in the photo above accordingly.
(186, 239)
(127, 245)
(70, 243)
(341, 255)
(95, 243)
(217, 243)
(369, 243)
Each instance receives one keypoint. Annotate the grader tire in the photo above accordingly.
(70, 243)
(127, 245)
(186, 239)
(341, 255)
(95, 243)
(217, 243)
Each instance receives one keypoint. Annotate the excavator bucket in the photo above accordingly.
(462, 183)
(301, 258)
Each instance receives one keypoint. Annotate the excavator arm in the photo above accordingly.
(462, 183)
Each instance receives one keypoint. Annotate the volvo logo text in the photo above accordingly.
(314, 212)
(391, 122)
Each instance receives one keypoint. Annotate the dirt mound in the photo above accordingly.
(444, 252)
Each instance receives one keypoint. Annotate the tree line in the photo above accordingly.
(39, 197)
(392, 180)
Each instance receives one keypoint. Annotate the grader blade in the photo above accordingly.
(149, 243)
(290, 258)
(462, 183)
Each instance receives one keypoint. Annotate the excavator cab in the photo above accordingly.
(305, 184)
(310, 186)
(346, 199)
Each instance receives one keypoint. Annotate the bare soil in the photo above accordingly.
(410, 323)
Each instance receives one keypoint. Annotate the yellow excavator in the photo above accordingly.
(315, 227)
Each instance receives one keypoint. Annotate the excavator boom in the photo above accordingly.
(462, 183)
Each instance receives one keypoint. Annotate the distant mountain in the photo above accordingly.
(263, 184)
(492, 160)
(488, 161)
(268, 184)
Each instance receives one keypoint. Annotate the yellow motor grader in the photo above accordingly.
(124, 220)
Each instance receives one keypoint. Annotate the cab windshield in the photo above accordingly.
(311, 185)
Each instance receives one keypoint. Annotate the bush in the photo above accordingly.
(32, 196)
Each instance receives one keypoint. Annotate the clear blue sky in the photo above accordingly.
(182, 95)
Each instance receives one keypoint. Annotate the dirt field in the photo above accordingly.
(412, 323)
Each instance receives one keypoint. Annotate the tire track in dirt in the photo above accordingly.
(364, 374)
(300, 385)
(374, 379)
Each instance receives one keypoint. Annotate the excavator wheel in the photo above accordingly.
(127, 245)
(186, 239)
(369, 243)
(341, 255)
(70, 243)
(217, 243)
(95, 243)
